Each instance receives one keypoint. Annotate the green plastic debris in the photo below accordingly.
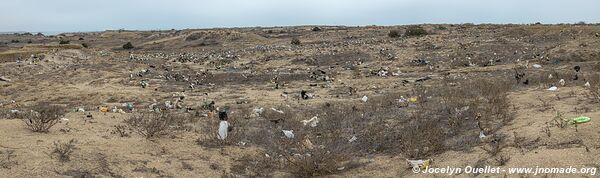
(581, 120)
(130, 106)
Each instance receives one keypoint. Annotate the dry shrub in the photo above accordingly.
(122, 130)
(442, 119)
(314, 151)
(415, 31)
(42, 117)
(7, 159)
(594, 89)
(394, 34)
(295, 41)
(154, 124)
(63, 151)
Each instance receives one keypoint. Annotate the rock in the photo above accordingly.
(587, 84)
(552, 88)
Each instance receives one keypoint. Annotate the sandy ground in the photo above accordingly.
(106, 75)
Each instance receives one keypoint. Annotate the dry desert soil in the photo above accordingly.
(457, 95)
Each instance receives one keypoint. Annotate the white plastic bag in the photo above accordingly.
(223, 126)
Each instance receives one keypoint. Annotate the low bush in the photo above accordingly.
(394, 34)
(295, 41)
(42, 117)
(152, 125)
(128, 45)
(63, 151)
(415, 31)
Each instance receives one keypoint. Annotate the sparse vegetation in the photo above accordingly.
(415, 31)
(394, 34)
(152, 125)
(7, 159)
(295, 41)
(128, 45)
(63, 150)
(64, 42)
(42, 117)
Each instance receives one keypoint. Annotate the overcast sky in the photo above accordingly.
(98, 15)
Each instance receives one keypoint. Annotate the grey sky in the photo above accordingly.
(97, 15)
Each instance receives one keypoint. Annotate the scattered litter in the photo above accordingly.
(340, 168)
(307, 143)
(279, 111)
(413, 99)
(257, 112)
(223, 115)
(550, 76)
(422, 79)
(402, 99)
(130, 106)
(587, 84)
(562, 82)
(80, 110)
(64, 119)
(364, 98)
(552, 88)
(2, 78)
(423, 164)
(168, 104)
(288, 133)
(352, 139)
(382, 72)
(144, 83)
(581, 120)
(103, 109)
(537, 66)
(421, 62)
(13, 111)
(312, 121)
(481, 135)
(223, 128)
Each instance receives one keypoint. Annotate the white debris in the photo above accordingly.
(553, 88)
(258, 111)
(481, 135)
(537, 66)
(223, 126)
(279, 111)
(364, 98)
(550, 76)
(562, 82)
(2, 78)
(14, 111)
(312, 121)
(288, 133)
(402, 99)
(587, 84)
(419, 163)
(352, 139)
(64, 119)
